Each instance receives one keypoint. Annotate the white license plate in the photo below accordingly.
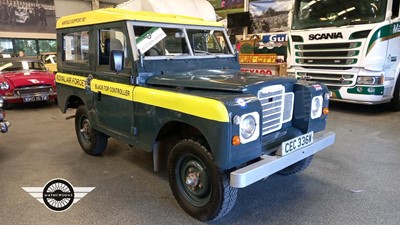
(295, 144)
(36, 98)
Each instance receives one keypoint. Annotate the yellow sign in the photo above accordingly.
(117, 90)
(257, 58)
(71, 80)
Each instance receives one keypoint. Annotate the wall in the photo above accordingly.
(67, 7)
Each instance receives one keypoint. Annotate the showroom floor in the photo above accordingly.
(354, 182)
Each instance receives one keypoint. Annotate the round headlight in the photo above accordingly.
(4, 86)
(316, 107)
(248, 126)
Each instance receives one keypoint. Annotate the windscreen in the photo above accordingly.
(328, 13)
(207, 42)
(22, 65)
(170, 41)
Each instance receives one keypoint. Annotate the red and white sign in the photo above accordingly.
(260, 71)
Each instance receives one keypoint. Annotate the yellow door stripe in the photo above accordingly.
(71, 80)
(189, 104)
(113, 89)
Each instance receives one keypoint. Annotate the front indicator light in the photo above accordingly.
(235, 140)
(325, 111)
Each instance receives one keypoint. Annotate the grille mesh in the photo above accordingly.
(271, 99)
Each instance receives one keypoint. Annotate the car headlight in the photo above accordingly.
(4, 86)
(316, 107)
(1, 102)
(249, 127)
(369, 80)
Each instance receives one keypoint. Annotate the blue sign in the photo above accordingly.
(275, 38)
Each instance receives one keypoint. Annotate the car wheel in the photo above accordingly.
(297, 167)
(200, 188)
(92, 142)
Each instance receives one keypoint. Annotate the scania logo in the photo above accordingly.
(305, 77)
(333, 35)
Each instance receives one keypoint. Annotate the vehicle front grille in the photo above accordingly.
(329, 79)
(333, 54)
(277, 107)
(33, 90)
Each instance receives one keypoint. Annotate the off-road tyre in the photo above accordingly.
(211, 197)
(92, 141)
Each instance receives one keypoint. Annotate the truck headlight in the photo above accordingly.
(316, 107)
(369, 80)
(249, 127)
(4, 86)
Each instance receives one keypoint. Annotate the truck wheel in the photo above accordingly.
(200, 188)
(394, 104)
(297, 167)
(92, 142)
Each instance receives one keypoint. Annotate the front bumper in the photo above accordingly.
(269, 165)
(4, 125)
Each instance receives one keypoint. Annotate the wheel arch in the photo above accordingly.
(71, 101)
(169, 135)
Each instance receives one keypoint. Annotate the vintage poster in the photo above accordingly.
(30, 16)
(270, 16)
(224, 7)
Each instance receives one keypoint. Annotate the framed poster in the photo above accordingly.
(29, 16)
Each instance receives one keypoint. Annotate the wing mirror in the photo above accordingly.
(117, 60)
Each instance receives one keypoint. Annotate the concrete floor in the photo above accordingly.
(354, 182)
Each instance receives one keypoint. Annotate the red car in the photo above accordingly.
(25, 80)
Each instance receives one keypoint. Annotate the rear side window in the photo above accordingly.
(76, 47)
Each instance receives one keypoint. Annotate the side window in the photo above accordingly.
(6, 46)
(29, 47)
(395, 9)
(160, 41)
(76, 47)
(47, 46)
(111, 39)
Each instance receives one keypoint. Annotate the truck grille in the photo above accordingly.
(335, 54)
(329, 57)
(340, 79)
(277, 107)
(32, 90)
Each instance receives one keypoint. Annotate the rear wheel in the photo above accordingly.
(200, 188)
(92, 142)
(297, 167)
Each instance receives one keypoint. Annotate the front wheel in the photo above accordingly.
(92, 142)
(200, 188)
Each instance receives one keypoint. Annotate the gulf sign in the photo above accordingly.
(275, 38)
